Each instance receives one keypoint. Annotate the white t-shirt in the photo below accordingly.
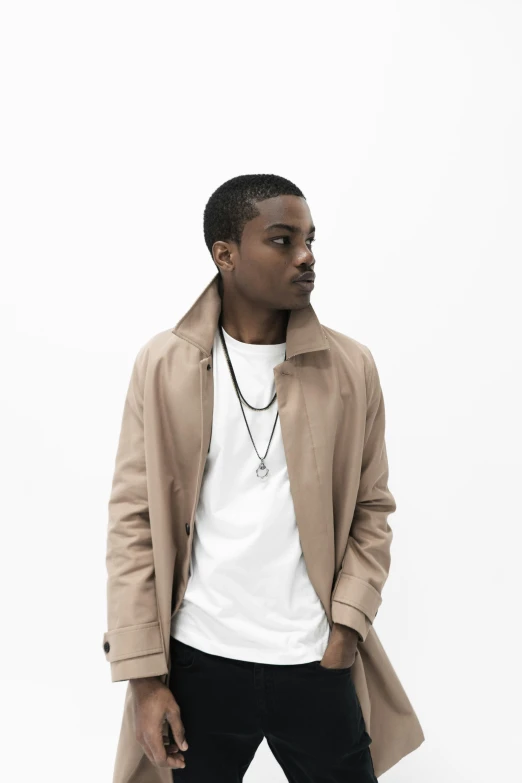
(248, 596)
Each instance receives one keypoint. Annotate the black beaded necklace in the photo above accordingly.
(262, 467)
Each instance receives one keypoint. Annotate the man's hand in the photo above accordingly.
(341, 649)
(153, 703)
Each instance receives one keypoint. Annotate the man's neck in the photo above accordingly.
(257, 326)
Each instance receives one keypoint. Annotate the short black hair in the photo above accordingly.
(232, 205)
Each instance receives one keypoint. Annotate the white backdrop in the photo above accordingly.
(402, 124)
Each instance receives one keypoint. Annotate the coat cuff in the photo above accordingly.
(135, 651)
(351, 617)
(149, 666)
(355, 603)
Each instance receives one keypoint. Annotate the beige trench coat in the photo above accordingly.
(331, 414)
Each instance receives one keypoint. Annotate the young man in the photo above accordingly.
(248, 541)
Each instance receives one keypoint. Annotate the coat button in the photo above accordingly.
(208, 366)
(106, 647)
(187, 528)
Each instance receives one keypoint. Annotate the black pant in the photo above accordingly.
(310, 716)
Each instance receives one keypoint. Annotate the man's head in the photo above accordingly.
(256, 262)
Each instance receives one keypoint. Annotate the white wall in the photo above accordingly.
(401, 122)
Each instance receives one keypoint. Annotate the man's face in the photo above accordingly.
(263, 269)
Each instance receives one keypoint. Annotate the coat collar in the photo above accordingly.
(303, 332)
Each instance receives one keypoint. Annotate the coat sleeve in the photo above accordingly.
(356, 596)
(132, 643)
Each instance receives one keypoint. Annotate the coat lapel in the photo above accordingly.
(303, 334)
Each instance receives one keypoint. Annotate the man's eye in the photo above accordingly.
(289, 239)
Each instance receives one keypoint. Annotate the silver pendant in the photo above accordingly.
(262, 467)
